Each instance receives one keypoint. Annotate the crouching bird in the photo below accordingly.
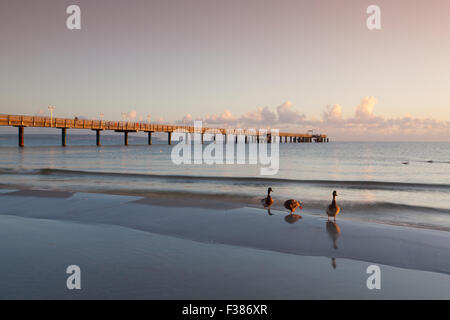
(292, 205)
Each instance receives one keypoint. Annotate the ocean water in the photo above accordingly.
(403, 183)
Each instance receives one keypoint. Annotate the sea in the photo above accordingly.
(401, 183)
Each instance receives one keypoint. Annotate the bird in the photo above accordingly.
(267, 201)
(292, 205)
(333, 209)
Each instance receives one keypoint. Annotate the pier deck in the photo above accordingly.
(22, 121)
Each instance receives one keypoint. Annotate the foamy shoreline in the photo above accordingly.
(81, 228)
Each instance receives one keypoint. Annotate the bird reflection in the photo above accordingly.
(292, 218)
(333, 263)
(334, 231)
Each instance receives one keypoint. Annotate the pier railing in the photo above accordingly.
(22, 121)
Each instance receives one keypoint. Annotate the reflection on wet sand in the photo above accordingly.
(333, 263)
(292, 218)
(265, 206)
(334, 231)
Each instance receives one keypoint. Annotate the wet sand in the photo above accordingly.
(144, 248)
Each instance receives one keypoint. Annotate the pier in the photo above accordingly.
(125, 127)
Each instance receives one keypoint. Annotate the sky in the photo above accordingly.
(293, 65)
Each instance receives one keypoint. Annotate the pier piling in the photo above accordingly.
(63, 137)
(150, 138)
(21, 132)
(125, 138)
(97, 138)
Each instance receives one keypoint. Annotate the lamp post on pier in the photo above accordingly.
(51, 108)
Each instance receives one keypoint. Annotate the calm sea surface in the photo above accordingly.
(402, 183)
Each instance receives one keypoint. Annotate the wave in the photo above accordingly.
(433, 161)
(199, 198)
(347, 206)
(349, 184)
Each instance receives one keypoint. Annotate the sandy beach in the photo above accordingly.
(146, 248)
(142, 142)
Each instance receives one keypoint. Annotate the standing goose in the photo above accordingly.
(292, 205)
(268, 201)
(333, 209)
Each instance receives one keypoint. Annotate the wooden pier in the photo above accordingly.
(125, 127)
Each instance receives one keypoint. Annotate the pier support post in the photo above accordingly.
(150, 138)
(125, 138)
(291, 140)
(63, 137)
(201, 136)
(97, 138)
(236, 139)
(169, 137)
(246, 139)
(285, 139)
(21, 144)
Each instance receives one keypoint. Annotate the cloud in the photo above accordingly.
(287, 115)
(364, 124)
(187, 119)
(262, 117)
(41, 113)
(332, 114)
(224, 119)
(132, 115)
(160, 120)
(365, 109)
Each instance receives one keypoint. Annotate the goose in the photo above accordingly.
(268, 201)
(292, 205)
(333, 209)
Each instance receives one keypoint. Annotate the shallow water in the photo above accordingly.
(370, 177)
(127, 248)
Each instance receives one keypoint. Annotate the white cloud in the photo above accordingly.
(365, 124)
(364, 110)
(333, 113)
(287, 115)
